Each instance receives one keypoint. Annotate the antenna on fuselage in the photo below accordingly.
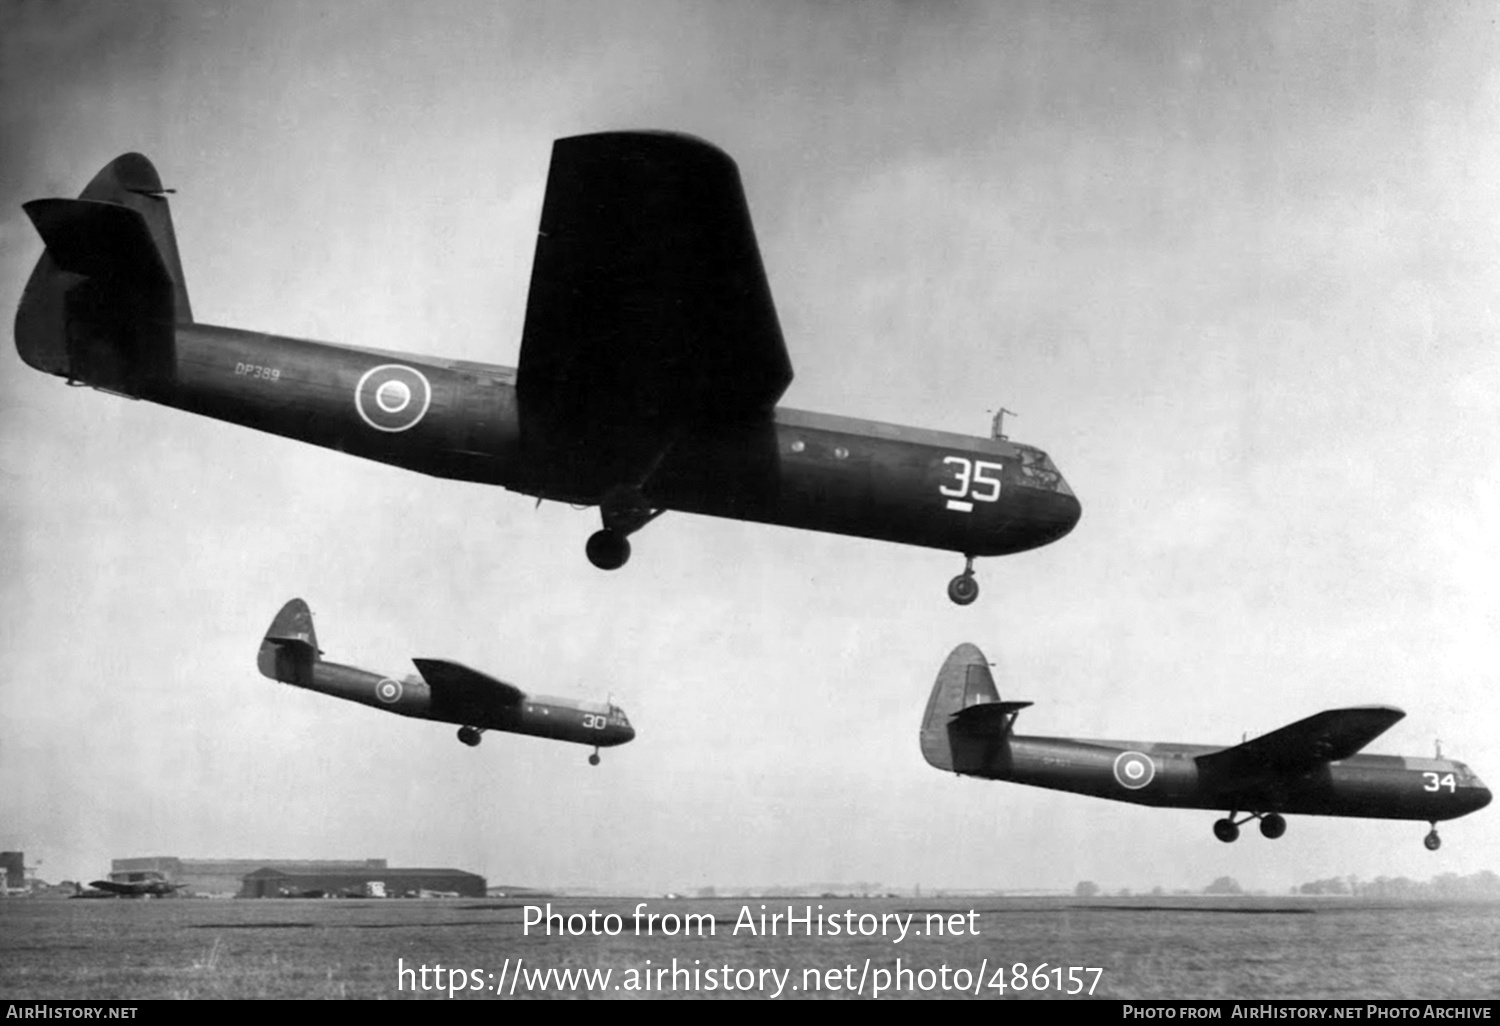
(1437, 743)
(997, 425)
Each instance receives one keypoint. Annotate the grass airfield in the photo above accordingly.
(1178, 947)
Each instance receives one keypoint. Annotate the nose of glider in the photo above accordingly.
(1054, 514)
(1069, 509)
(1061, 509)
(1479, 795)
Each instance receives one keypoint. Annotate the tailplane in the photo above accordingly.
(290, 647)
(965, 719)
(102, 306)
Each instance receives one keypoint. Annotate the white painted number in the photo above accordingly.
(593, 722)
(965, 471)
(974, 481)
(992, 482)
(1436, 783)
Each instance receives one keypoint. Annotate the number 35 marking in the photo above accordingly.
(973, 482)
(1436, 783)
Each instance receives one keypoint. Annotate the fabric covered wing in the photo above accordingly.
(461, 693)
(1304, 745)
(112, 887)
(649, 309)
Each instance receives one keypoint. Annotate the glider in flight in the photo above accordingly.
(1310, 767)
(445, 691)
(651, 366)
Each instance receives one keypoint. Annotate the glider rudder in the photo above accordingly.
(290, 646)
(964, 681)
(102, 305)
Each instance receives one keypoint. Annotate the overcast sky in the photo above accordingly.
(1234, 265)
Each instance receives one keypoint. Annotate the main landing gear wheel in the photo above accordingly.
(1272, 825)
(624, 511)
(964, 589)
(1432, 840)
(1226, 830)
(608, 550)
(594, 759)
(469, 736)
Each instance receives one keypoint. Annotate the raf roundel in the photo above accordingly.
(392, 397)
(388, 691)
(1134, 770)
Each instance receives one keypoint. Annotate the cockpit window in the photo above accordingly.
(1037, 471)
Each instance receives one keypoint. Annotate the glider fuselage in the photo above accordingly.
(559, 719)
(982, 497)
(1368, 786)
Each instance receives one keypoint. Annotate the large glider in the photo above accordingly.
(651, 365)
(1309, 767)
(445, 691)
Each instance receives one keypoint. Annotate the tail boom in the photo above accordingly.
(106, 306)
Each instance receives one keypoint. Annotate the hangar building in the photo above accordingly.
(277, 882)
(223, 877)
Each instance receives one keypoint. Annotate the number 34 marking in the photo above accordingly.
(974, 481)
(1436, 783)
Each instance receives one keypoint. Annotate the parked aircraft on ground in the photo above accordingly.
(1309, 767)
(651, 364)
(445, 691)
(138, 885)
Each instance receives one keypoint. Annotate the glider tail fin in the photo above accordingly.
(964, 682)
(102, 306)
(290, 647)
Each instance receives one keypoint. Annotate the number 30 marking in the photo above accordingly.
(973, 481)
(1436, 783)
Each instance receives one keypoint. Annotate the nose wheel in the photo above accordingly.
(1432, 840)
(594, 759)
(964, 589)
(470, 736)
